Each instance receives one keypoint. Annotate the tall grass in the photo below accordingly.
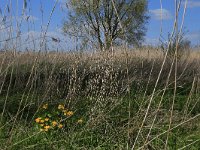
(139, 98)
(96, 86)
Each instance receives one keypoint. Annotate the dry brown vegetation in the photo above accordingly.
(143, 66)
(129, 90)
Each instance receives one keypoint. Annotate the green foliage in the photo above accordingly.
(107, 23)
(106, 130)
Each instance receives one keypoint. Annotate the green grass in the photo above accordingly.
(106, 127)
(97, 91)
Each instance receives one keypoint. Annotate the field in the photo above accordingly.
(99, 75)
(125, 99)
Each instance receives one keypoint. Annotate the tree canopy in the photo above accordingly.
(107, 22)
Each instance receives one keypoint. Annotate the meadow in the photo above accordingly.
(123, 99)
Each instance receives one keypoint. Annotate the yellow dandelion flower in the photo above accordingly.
(61, 106)
(54, 123)
(41, 125)
(47, 127)
(60, 126)
(80, 121)
(37, 120)
(46, 130)
(45, 106)
(41, 121)
(69, 113)
(46, 119)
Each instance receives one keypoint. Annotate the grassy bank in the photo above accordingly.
(128, 99)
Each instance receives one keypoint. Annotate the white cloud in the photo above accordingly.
(9, 19)
(62, 1)
(4, 30)
(192, 4)
(193, 36)
(62, 4)
(40, 35)
(29, 18)
(159, 14)
(151, 41)
(2, 27)
(54, 40)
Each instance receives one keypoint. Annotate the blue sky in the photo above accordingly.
(37, 19)
(191, 23)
